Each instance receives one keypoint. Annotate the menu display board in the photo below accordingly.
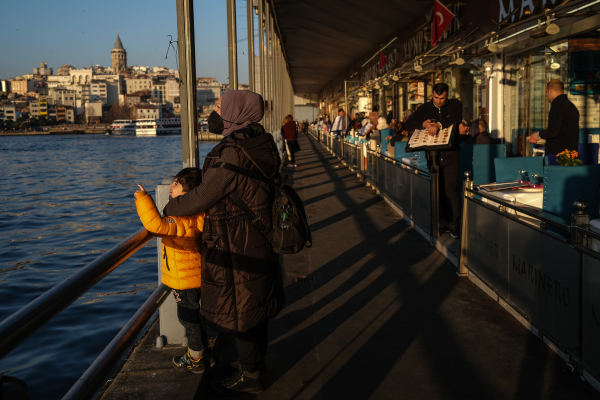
(423, 138)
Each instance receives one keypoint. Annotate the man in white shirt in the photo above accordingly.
(341, 125)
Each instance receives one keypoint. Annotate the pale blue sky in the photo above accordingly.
(83, 32)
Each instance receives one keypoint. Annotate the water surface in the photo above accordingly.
(65, 200)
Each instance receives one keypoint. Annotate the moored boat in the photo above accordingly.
(123, 127)
(160, 126)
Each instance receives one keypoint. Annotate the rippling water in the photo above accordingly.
(64, 200)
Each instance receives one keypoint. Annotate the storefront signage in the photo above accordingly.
(508, 6)
(542, 280)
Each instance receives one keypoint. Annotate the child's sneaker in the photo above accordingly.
(187, 363)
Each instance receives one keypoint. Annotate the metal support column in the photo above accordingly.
(251, 73)
(261, 50)
(272, 66)
(276, 101)
(267, 97)
(187, 84)
(232, 41)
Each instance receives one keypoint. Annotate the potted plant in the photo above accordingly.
(568, 158)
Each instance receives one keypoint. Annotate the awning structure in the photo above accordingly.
(323, 38)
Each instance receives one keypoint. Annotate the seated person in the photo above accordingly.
(483, 137)
(401, 134)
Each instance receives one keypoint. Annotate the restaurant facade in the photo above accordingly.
(496, 57)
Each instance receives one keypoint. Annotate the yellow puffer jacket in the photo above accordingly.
(180, 243)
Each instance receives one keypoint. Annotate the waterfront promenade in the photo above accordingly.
(373, 312)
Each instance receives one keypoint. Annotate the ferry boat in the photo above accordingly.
(160, 126)
(123, 127)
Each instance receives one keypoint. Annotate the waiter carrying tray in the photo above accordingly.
(439, 113)
(563, 121)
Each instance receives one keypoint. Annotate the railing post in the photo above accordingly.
(168, 321)
(464, 239)
(580, 219)
(435, 196)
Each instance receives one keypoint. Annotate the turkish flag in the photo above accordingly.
(382, 60)
(441, 20)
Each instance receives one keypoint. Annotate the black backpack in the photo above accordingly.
(290, 232)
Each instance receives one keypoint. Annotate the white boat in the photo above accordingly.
(123, 127)
(160, 126)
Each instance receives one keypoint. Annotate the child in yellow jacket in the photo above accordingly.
(181, 262)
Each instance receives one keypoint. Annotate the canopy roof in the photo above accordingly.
(323, 38)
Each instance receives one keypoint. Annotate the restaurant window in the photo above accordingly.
(525, 79)
(416, 93)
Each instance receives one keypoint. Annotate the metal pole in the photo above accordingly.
(272, 62)
(187, 84)
(261, 50)
(276, 83)
(267, 96)
(251, 76)
(232, 40)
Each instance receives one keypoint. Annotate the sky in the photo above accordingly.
(83, 32)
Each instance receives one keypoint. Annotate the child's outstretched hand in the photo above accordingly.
(141, 189)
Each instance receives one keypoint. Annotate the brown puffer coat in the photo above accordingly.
(242, 283)
(241, 276)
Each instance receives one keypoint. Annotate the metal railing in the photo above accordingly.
(543, 267)
(420, 199)
(25, 322)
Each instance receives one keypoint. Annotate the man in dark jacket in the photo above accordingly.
(442, 112)
(563, 121)
(242, 284)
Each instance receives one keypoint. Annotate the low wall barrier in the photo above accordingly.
(549, 282)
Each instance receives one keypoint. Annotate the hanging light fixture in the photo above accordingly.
(488, 66)
(386, 83)
(377, 86)
(551, 27)
(459, 60)
(395, 78)
(539, 32)
(554, 64)
(493, 47)
(418, 66)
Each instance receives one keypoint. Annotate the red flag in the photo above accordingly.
(441, 20)
(382, 60)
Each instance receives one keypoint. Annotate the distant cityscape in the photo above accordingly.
(98, 94)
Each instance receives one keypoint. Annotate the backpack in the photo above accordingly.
(290, 232)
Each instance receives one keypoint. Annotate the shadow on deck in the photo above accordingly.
(386, 316)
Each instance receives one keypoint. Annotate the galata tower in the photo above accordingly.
(119, 56)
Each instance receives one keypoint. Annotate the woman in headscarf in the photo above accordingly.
(242, 286)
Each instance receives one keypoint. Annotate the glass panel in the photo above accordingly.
(583, 84)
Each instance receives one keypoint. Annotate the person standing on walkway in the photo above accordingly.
(291, 139)
(242, 283)
(442, 112)
(563, 121)
(342, 124)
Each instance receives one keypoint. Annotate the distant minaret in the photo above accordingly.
(119, 56)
